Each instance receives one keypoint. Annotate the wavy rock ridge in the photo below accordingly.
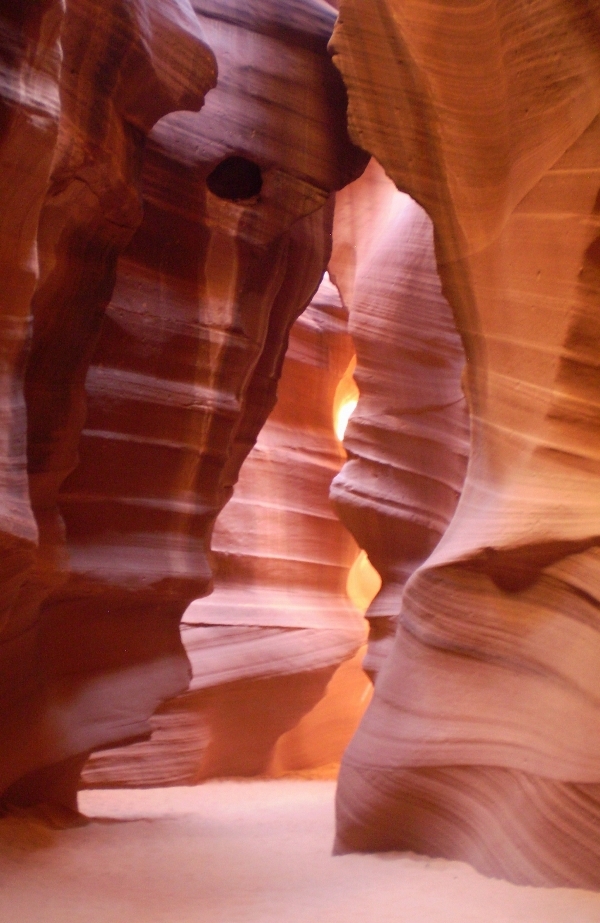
(265, 644)
(149, 374)
(408, 437)
(82, 206)
(154, 258)
(482, 739)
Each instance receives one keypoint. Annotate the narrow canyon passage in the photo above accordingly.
(246, 852)
(224, 225)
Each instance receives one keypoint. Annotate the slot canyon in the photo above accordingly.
(299, 486)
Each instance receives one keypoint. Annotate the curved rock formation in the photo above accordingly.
(233, 243)
(74, 107)
(408, 437)
(264, 645)
(482, 741)
(29, 114)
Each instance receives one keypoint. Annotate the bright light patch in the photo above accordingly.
(345, 400)
(343, 415)
(363, 582)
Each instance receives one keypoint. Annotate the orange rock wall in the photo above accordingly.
(74, 204)
(154, 258)
(267, 641)
(159, 278)
(408, 436)
(482, 739)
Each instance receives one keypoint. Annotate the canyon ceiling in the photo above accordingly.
(218, 215)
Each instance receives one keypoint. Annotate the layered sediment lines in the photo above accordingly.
(482, 739)
(73, 148)
(408, 436)
(30, 53)
(265, 644)
(150, 374)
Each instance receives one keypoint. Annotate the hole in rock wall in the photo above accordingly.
(235, 179)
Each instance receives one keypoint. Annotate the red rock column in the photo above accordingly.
(234, 240)
(264, 645)
(76, 196)
(408, 436)
(483, 740)
(30, 55)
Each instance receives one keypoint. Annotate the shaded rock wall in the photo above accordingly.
(30, 109)
(482, 739)
(72, 105)
(408, 437)
(265, 644)
(180, 369)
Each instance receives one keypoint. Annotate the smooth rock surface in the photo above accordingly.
(265, 644)
(149, 375)
(482, 740)
(73, 150)
(408, 438)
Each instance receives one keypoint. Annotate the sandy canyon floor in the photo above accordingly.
(243, 852)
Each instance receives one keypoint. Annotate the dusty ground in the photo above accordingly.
(243, 852)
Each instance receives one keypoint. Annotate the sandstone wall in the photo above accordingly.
(75, 126)
(408, 437)
(264, 645)
(482, 739)
(154, 259)
(149, 375)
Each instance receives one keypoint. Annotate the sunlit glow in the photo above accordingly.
(363, 582)
(343, 415)
(345, 400)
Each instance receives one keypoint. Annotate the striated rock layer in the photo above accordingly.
(483, 738)
(75, 124)
(179, 343)
(408, 437)
(30, 52)
(265, 644)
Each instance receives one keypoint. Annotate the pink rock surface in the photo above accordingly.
(482, 739)
(73, 204)
(408, 436)
(153, 262)
(153, 402)
(265, 644)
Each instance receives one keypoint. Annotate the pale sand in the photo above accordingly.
(246, 852)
